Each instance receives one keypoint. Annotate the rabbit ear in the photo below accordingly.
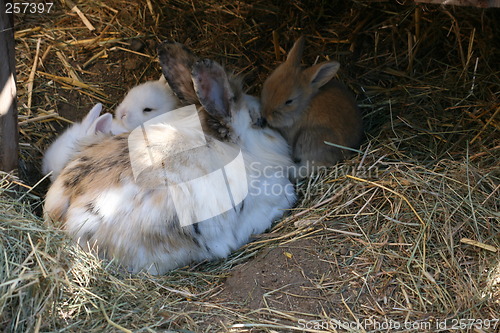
(162, 79)
(320, 74)
(92, 116)
(101, 124)
(295, 55)
(213, 88)
(176, 62)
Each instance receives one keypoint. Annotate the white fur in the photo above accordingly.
(154, 95)
(135, 220)
(65, 146)
(117, 127)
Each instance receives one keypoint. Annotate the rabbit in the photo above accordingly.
(144, 102)
(64, 147)
(164, 218)
(308, 107)
(141, 103)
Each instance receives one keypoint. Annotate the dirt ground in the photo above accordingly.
(283, 278)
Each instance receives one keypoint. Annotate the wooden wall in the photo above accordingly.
(8, 111)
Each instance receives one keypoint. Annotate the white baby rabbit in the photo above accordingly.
(65, 146)
(141, 103)
(165, 218)
(144, 102)
(309, 107)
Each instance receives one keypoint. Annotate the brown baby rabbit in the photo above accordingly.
(308, 107)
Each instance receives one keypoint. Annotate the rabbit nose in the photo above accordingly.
(261, 122)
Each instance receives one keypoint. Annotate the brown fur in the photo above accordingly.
(321, 109)
(177, 63)
(110, 169)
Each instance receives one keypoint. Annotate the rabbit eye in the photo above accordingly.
(147, 110)
(288, 102)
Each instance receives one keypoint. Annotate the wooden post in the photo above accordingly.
(8, 112)
(474, 3)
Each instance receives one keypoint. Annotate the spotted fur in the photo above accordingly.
(108, 210)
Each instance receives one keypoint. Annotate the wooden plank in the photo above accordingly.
(9, 134)
(472, 3)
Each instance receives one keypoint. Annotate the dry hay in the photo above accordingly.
(385, 236)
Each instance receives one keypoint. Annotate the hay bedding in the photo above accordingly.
(405, 231)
